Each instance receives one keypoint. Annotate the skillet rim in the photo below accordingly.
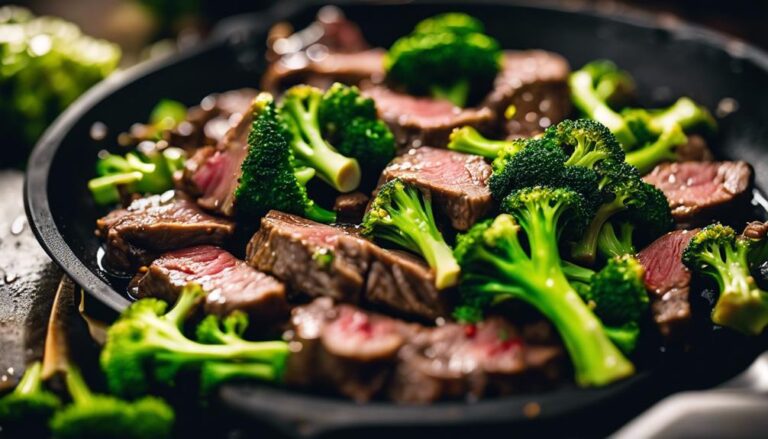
(314, 418)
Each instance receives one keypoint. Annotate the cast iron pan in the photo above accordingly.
(669, 59)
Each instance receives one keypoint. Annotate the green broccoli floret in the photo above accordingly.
(610, 245)
(718, 252)
(402, 215)
(584, 85)
(586, 142)
(469, 141)
(271, 176)
(29, 404)
(496, 266)
(625, 337)
(539, 162)
(340, 104)
(448, 63)
(626, 194)
(100, 416)
(618, 292)
(686, 113)
(453, 22)
(147, 344)
(663, 149)
(299, 109)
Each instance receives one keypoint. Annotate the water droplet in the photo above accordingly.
(17, 226)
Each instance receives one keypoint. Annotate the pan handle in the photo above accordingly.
(738, 406)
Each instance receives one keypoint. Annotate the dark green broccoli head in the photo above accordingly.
(708, 245)
(540, 162)
(370, 141)
(453, 22)
(618, 291)
(341, 104)
(554, 208)
(587, 142)
(29, 404)
(213, 329)
(269, 180)
(445, 64)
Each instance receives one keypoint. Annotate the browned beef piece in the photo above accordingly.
(350, 208)
(230, 283)
(536, 83)
(756, 230)
(342, 349)
(457, 183)
(321, 260)
(419, 121)
(212, 174)
(668, 280)
(135, 235)
(700, 191)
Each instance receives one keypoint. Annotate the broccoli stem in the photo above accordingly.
(343, 173)
(611, 245)
(585, 250)
(304, 175)
(214, 374)
(319, 214)
(31, 382)
(587, 99)
(456, 93)
(577, 273)
(104, 189)
(469, 141)
(663, 149)
(684, 112)
(741, 305)
(78, 389)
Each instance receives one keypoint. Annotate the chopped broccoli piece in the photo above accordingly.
(99, 416)
(402, 215)
(625, 337)
(448, 62)
(663, 149)
(539, 162)
(213, 374)
(717, 252)
(586, 142)
(618, 291)
(271, 177)
(147, 344)
(299, 111)
(610, 245)
(29, 404)
(469, 141)
(167, 114)
(341, 104)
(496, 266)
(453, 22)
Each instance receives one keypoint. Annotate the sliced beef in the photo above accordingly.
(323, 69)
(457, 183)
(362, 355)
(700, 191)
(694, 150)
(149, 226)
(350, 208)
(212, 174)
(230, 283)
(668, 281)
(535, 82)
(418, 121)
(321, 260)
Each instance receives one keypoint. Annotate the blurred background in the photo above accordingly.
(46, 63)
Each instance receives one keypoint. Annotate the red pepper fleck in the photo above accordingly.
(470, 330)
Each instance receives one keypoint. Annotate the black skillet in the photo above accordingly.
(668, 58)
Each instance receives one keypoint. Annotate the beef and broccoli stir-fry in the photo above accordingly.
(440, 219)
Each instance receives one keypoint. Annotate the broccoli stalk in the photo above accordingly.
(29, 404)
(663, 149)
(497, 266)
(717, 252)
(684, 112)
(147, 338)
(469, 141)
(299, 110)
(402, 215)
(271, 176)
(611, 245)
(98, 416)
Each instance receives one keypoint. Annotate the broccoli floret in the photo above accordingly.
(340, 104)
(626, 194)
(147, 344)
(686, 113)
(469, 141)
(539, 162)
(610, 245)
(401, 214)
(584, 85)
(618, 291)
(625, 337)
(663, 149)
(717, 252)
(444, 63)
(271, 176)
(29, 405)
(586, 142)
(454, 22)
(496, 266)
(299, 109)
(99, 416)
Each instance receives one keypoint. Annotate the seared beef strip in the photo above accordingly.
(362, 355)
(699, 191)
(230, 283)
(350, 208)
(321, 260)
(536, 83)
(418, 121)
(135, 235)
(457, 183)
(213, 174)
(668, 281)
